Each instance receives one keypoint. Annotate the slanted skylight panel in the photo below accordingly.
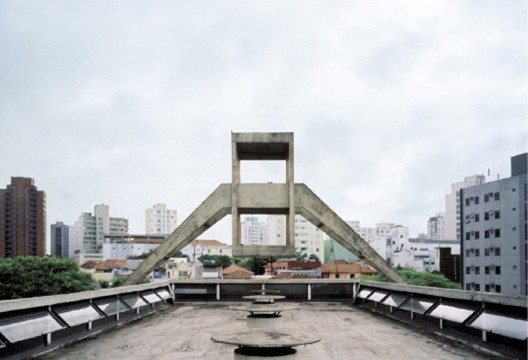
(151, 297)
(378, 295)
(395, 299)
(502, 325)
(23, 327)
(77, 314)
(364, 293)
(111, 306)
(418, 305)
(134, 300)
(453, 312)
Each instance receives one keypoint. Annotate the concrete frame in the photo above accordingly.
(288, 198)
(262, 198)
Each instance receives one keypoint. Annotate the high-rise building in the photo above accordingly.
(308, 238)
(452, 203)
(88, 232)
(435, 227)
(59, 239)
(494, 234)
(22, 219)
(160, 221)
(254, 231)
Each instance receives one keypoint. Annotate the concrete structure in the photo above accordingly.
(200, 247)
(452, 206)
(126, 246)
(436, 227)
(88, 232)
(494, 233)
(22, 219)
(59, 239)
(160, 221)
(289, 198)
(253, 231)
(341, 270)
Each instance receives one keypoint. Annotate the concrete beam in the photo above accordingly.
(208, 213)
(313, 209)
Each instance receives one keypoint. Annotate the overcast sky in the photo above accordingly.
(131, 103)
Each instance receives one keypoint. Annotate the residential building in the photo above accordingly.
(160, 221)
(22, 219)
(494, 234)
(198, 248)
(342, 270)
(234, 271)
(59, 239)
(295, 269)
(308, 238)
(254, 231)
(178, 268)
(453, 208)
(88, 232)
(127, 246)
(435, 227)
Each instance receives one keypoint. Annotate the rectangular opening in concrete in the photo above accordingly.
(263, 230)
(263, 171)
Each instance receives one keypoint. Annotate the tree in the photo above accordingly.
(419, 278)
(301, 256)
(313, 257)
(221, 260)
(257, 264)
(28, 276)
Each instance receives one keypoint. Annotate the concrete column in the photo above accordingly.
(441, 323)
(218, 291)
(309, 292)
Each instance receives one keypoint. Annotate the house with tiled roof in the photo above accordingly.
(234, 271)
(200, 247)
(340, 270)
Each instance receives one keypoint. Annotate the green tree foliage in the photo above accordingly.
(313, 257)
(221, 260)
(418, 278)
(256, 264)
(28, 276)
(301, 256)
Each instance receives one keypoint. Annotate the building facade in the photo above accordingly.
(198, 248)
(435, 227)
(88, 233)
(452, 218)
(59, 239)
(160, 221)
(22, 219)
(124, 247)
(493, 230)
(254, 231)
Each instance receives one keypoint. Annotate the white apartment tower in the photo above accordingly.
(160, 221)
(87, 235)
(254, 231)
(452, 201)
(436, 227)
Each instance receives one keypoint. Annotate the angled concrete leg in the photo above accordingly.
(214, 208)
(313, 209)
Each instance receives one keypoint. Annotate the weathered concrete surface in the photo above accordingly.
(184, 331)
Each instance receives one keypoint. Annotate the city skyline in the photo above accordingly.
(388, 108)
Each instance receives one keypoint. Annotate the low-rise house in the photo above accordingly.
(178, 268)
(295, 269)
(234, 271)
(342, 270)
(198, 248)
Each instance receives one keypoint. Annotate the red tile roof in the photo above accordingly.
(208, 243)
(111, 264)
(234, 271)
(354, 268)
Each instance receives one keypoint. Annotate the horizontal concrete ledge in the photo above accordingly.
(260, 281)
(34, 302)
(519, 301)
(242, 250)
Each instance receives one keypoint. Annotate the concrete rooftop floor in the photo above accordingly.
(184, 331)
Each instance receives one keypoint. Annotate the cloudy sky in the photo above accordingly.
(131, 103)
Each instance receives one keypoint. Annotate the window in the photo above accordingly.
(476, 199)
(468, 252)
(486, 270)
(514, 228)
(468, 287)
(497, 233)
(514, 267)
(467, 236)
(467, 270)
(477, 235)
(487, 234)
(487, 288)
(513, 209)
(477, 217)
(497, 288)
(486, 198)
(467, 202)
(486, 216)
(497, 214)
(497, 251)
(497, 196)
(477, 269)
(497, 270)
(477, 287)
(477, 252)
(486, 252)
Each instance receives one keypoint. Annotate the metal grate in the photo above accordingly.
(418, 305)
(395, 299)
(77, 314)
(111, 306)
(502, 325)
(23, 327)
(453, 312)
